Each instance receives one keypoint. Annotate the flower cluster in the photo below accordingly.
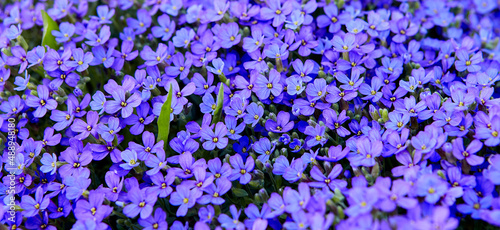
(289, 114)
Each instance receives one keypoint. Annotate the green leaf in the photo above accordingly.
(218, 109)
(48, 26)
(164, 119)
(238, 192)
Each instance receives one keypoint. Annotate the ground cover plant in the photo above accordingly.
(250, 114)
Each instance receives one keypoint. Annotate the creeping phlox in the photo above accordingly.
(246, 114)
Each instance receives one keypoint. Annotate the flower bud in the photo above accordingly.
(385, 114)
(321, 74)
(259, 164)
(340, 212)
(335, 107)
(257, 198)
(270, 65)
(312, 122)
(283, 152)
(256, 184)
(263, 193)
(373, 112)
(441, 174)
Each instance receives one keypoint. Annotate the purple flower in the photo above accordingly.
(162, 184)
(334, 122)
(251, 44)
(276, 11)
(361, 200)
(335, 153)
(115, 185)
(139, 203)
(215, 191)
(333, 19)
(295, 171)
(254, 113)
(241, 171)
(93, 208)
(126, 54)
(395, 196)
(277, 52)
(153, 58)
(185, 198)
(282, 123)
(490, 132)
(264, 147)
(81, 61)
(86, 128)
(101, 56)
(108, 132)
(142, 23)
(53, 60)
(121, 103)
(42, 102)
(304, 41)
(228, 35)
(104, 14)
(215, 138)
(345, 44)
(101, 39)
(165, 29)
(264, 87)
(183, 37)
(432, 187)
(156, 221)
(130, 157)
(316, 135)
(66, 31)
(35, 56)
(368, 150)
(469, 153)
(329, 181)
(18, 58)
(465, 62)
(473, 204)
(179, 67)
(32, 207)
(403, 28)
(231, 223)
(76, 161)
(217, 13)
